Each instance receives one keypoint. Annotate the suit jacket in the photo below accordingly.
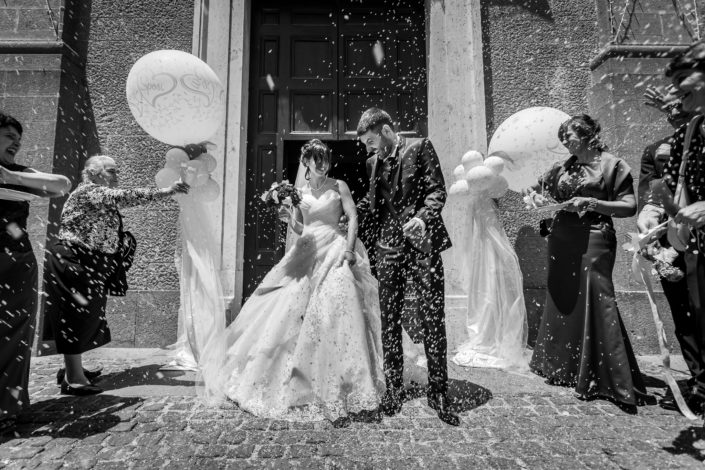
(418, 190)
(653, 163)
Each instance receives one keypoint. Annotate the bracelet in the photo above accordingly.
(592, 204)
(349, 251)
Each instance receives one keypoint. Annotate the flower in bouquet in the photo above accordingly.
(282, 194)
(663, 258)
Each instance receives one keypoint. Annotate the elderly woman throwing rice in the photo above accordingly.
(80, 263)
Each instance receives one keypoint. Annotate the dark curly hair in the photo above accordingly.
(691, 58)
(317, 151)
(587, 128)
(8, 121)
(373, 119)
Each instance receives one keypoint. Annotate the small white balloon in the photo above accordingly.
(459, 187)
(208, 192)
(201, 179)
(471, 159)
(499, 187)
(190, 172)
(479, 178)
(208, 160)
(166, 177)
(494, 163)
(459, 173)
(175, 158)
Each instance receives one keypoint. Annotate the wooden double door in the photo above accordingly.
(314, 68)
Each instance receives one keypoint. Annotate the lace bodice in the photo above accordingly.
(324, 210)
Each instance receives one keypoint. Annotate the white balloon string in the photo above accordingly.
(641, 266)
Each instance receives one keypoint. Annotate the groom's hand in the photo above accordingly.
(414, 227)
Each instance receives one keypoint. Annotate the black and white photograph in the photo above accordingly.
(352, 234)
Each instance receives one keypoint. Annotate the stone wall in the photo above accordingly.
(106, 38)
(29, 89)
(536, 53)
(616, 99)
(539, 52)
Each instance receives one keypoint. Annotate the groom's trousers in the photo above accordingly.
(393, 268)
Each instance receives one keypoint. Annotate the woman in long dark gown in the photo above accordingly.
(582, 341)
(18, 269)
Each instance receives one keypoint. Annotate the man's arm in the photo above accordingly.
(433, 183)
(647, 173)
(363, 205)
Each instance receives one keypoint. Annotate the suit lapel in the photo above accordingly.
(373, 183)
(397, 174)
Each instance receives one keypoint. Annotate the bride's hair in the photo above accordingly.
(314, 150)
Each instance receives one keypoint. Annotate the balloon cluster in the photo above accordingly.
(196, 172)
(477, 176)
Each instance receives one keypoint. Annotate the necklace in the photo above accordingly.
(325, 180)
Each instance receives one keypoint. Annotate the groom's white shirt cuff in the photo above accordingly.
(423, 224)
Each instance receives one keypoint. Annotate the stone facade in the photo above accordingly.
(533, 52)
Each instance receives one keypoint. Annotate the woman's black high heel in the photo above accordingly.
(90, 375)
(79, 391)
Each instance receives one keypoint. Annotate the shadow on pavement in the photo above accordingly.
(146, 375)
(463, 395)
(70, 417)
(690, 441)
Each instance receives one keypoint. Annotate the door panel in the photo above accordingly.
(315, 67)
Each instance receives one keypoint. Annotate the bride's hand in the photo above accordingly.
(348, 256)
(284, 214)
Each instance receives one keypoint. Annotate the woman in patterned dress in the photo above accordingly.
(18, 270)
(82, 260)
(582, 341)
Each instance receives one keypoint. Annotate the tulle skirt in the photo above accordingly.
(496, 324)
(307, 344)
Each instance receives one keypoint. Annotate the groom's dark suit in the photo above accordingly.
(407, 184)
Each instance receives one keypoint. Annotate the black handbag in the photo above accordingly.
(116, 284)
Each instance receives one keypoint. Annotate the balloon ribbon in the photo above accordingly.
(641, 269)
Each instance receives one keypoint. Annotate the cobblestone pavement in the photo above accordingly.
(152, 419)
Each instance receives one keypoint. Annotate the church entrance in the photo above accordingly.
(314, 68)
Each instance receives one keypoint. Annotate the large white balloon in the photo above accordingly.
(528, 142)
(175, 97)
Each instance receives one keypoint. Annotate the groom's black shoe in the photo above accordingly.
(439, 402)
(391, 402)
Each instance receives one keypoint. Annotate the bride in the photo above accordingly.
(307, 344)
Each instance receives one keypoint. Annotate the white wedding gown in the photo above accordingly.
(307, 344)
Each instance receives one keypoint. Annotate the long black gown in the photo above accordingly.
(582, 341)
(18, 304)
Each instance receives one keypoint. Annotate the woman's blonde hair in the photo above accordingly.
(93, 167)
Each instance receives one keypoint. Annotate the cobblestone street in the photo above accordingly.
(152, 419)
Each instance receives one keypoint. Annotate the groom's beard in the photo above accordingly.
(385, 148)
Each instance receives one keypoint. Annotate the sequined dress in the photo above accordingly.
(307, 344)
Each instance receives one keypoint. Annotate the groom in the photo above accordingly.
(402, 227)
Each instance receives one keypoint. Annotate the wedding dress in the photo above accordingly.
(307, 344)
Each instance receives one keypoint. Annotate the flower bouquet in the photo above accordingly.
(282, 194)
(661, 257)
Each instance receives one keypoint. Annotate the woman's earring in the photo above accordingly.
(307, 175)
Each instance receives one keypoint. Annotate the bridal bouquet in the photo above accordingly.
(282, 194)
(661, 257)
